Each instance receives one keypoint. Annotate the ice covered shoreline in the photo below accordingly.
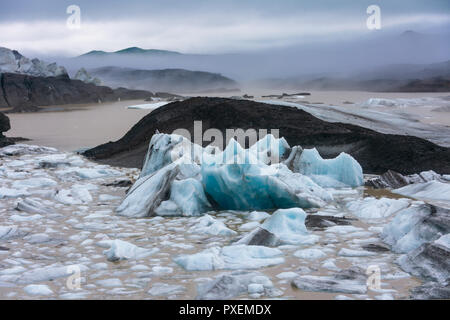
(58, 210)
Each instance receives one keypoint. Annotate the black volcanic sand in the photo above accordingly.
(376, 152)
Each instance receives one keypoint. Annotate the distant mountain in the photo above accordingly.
(173, 80)
(131, 51)
(23, 93)
(407, 71)
(434, 77)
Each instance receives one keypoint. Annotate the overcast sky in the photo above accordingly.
(205, 26)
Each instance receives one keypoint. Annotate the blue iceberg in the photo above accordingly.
(342, 171)
(183, 178)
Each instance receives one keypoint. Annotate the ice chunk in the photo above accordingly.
(88, 173)
(20, 218)
(407, 231)
(433, 190)
(444, 241)
(257, 215)
(430, 261)
(270, 149)
(109, 283)
(21, 149)
(47, 273)
(38, 290)
(31, 205)
(209, 225)
(288, 225)
(122, 250)
(13, 270)
(285, 226)
(189, 196)
(249, 226)
(11, 232)
(12, 193)
(148, 196)
(347, 281)
(231, 257)
(234, 284)
(287, 275)
(372, 208)
(311, 254)
(345, 252)
(164, 289)
(340, 171)
(34, 183)
(78, 194)
(165, 149)
(147, 106)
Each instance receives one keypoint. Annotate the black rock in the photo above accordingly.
(394, 180)
(120, 184)
(317, 222)
(389, 179)
(4, 126)
(376, 152)
(376, 247)
(262, 237)
(25, 93)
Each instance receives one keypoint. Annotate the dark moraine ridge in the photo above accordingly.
(4, 126)
(25, 93)
(376, 152)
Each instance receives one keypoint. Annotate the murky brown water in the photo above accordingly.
(78, 126)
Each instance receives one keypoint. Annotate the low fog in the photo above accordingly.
(405, 55)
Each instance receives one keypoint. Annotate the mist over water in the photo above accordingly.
(340, 59)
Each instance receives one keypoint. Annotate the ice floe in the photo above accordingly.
(45, 230)
(372, 208)
(341, 171)
(211, 226)
(414, 226)
(121, 250)
(231, 257)
(432, 190)
(232, 285)
(38, 290)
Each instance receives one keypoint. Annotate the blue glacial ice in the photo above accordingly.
(342, 171)
(288, 225)
(182, 178)
(284, 226)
